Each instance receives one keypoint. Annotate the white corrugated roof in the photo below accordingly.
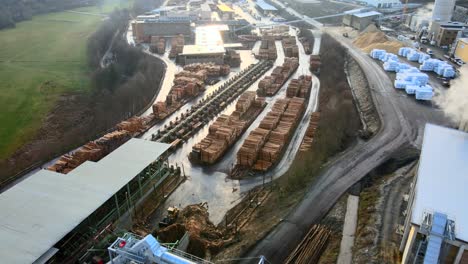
(443, 177)
(40, 210)
(367, 14)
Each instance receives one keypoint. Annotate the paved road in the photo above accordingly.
(345, 170)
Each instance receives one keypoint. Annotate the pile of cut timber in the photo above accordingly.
(270, 85)
(224, 132)
(299, 87)
(311, 247)
(277, 32)
(177, 46)
(290, 47)
(267, 49)
(262, 148)
(158, 45)
(212, 70)
(311, 130)
(315, 63)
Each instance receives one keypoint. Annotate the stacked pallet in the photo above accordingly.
(267, 49)
(177, 46)
(212, 70)
(290, 47)
(133, 125)
(270, 85)
(310, 133)
(225, 130)
(157, 45)
(299, 87)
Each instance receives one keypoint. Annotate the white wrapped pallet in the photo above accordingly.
(413, 55)
(404, 51)
(423, 57)
(428, 65)
(390, 65)
(449, 73)
(424, 94)
(401, 84)
(411, 88)
(402, 67)
(376, 53)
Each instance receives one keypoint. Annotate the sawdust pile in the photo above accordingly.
(372, 38)
(205, 238)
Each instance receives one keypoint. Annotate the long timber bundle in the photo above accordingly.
(311, 247)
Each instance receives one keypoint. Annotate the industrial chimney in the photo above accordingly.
(443, 10)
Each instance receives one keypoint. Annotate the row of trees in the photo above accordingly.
(13, 11)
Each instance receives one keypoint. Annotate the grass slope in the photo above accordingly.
(40, 60)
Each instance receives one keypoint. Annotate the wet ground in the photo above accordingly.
(210, 183)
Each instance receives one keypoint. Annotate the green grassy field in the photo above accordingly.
(40, 60)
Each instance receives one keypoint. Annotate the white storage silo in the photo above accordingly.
(443, 10)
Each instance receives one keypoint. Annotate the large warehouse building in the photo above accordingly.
(53, 215)
(361, 21)
(436, 225)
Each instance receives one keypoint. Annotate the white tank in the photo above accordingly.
(443, 10)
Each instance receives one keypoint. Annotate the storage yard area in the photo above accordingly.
(267, 120)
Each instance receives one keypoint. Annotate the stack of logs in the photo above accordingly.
(96, 150)
(158, 45)
(177, 46)
(311, 130)
(224, 132)
(270, 85)
(299, 87)
(311, 247)
(267, 49)
(290, 47)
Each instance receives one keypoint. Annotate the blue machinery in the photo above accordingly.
(131, 249)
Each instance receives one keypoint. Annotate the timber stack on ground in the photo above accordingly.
(311, 130)
(270, 85)
(290, 47)
(267, 49)
(311, 247)
(226, 130)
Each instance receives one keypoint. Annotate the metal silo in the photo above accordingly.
(443, 10)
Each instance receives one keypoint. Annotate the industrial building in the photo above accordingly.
(445, 33)
(460, 13)
(56, 216)
(443, 10)
(383, 4)
(265, 8)
(361, 21)
(208, 47)
(436, 224)
(225, 12)
(461, 49)
(164, 26)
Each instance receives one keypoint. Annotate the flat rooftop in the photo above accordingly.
(367, 14)
(265, 6)
(40, 210)
(443, 177)
(225, 8)
(202, 50)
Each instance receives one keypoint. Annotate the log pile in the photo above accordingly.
(290, 47)
(311, 247)
(299, 87)
(225, 131)
(267, 49)
(157, 45)
(177, 46)
(277, 33)
(270, 85)
(315, 63)
(212, 70)
(263, 147)
(306, 44)
(311, 130)
(92, 151)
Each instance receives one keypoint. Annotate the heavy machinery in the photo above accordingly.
(170, 218)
